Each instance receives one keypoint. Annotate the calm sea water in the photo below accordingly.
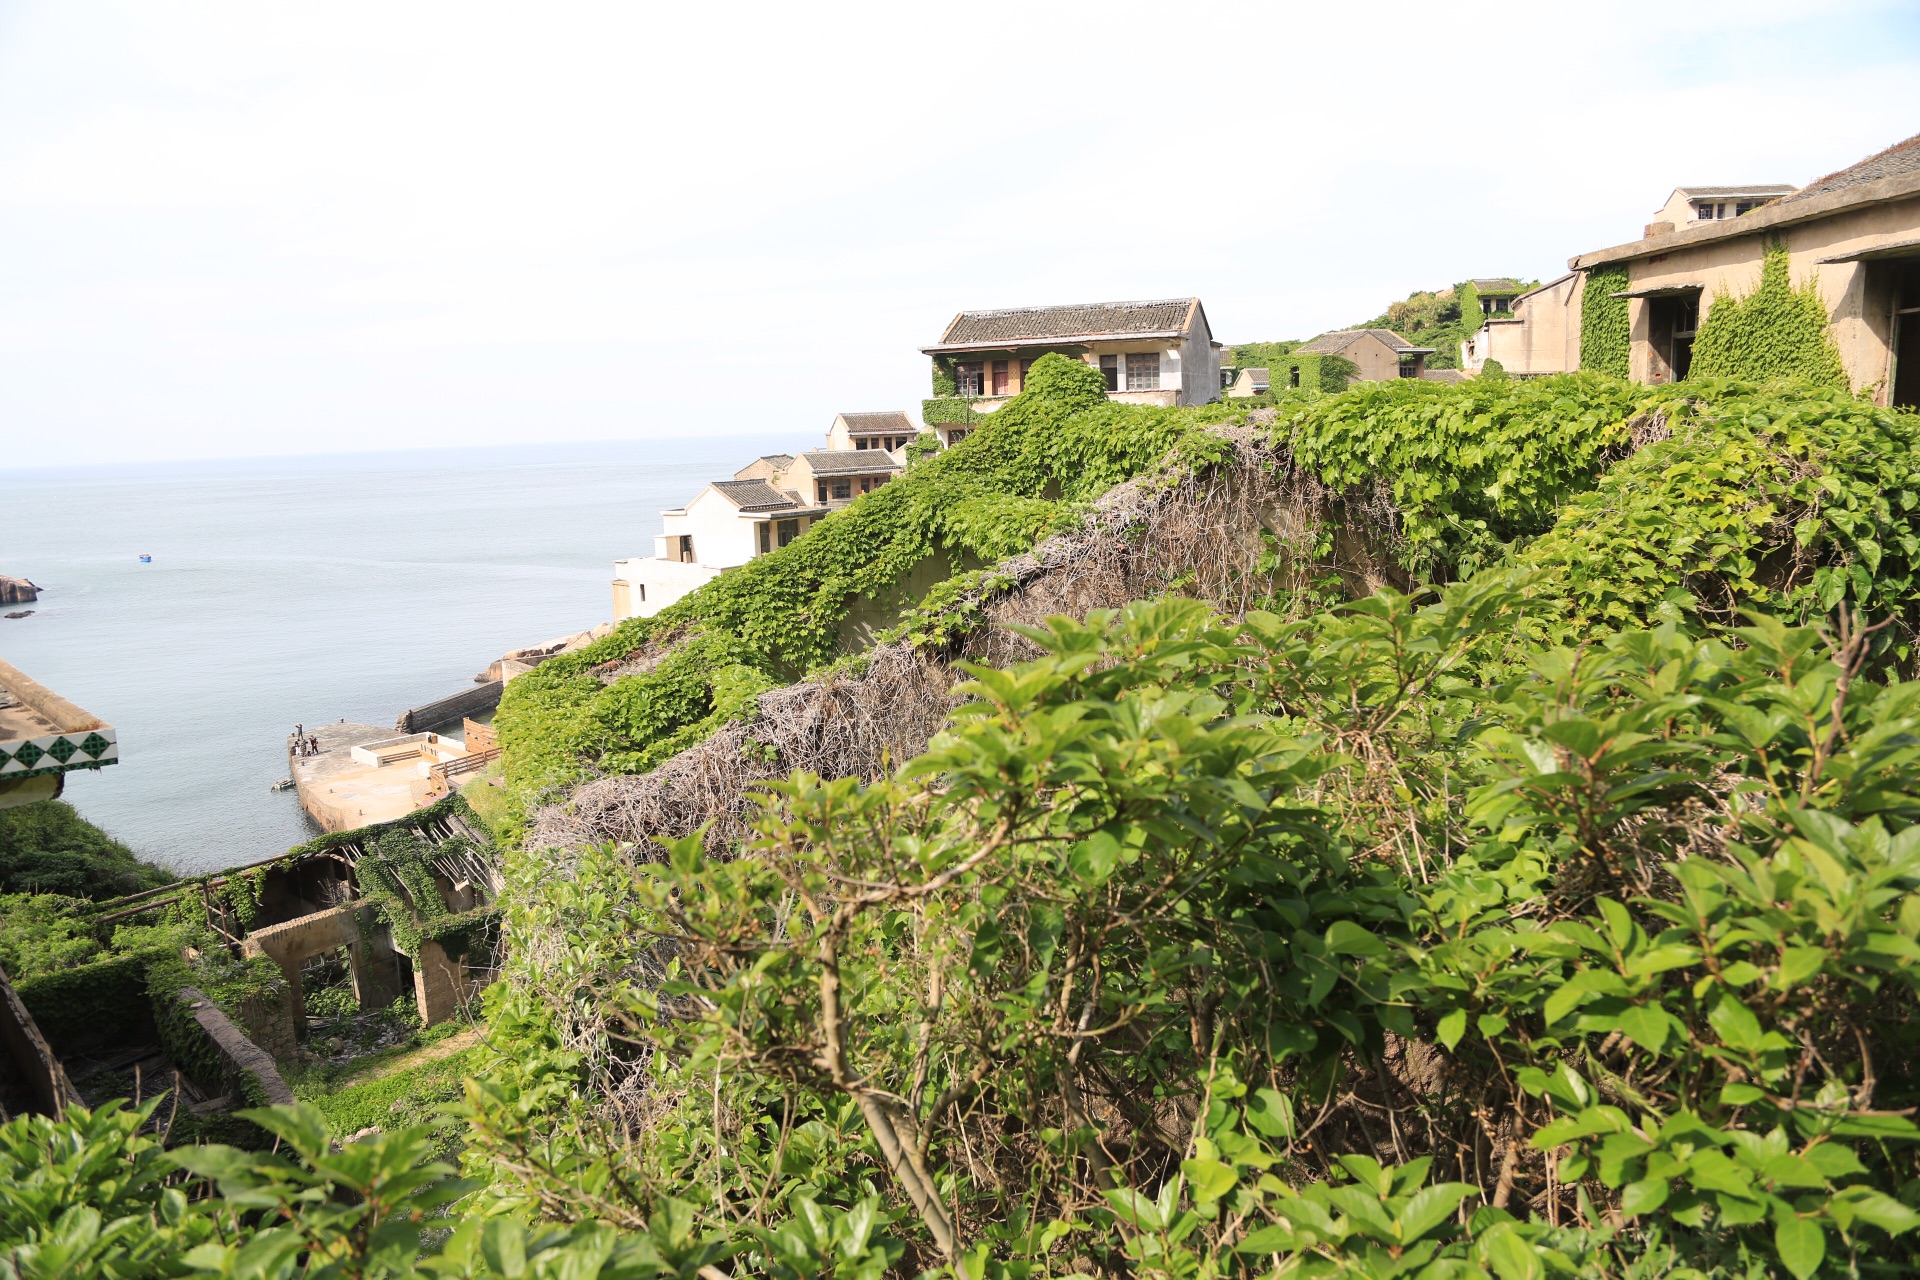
(307, 590)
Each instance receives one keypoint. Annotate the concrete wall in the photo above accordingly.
(468, 702)
(645, 585)
(370, 955)
(38, 1080)
(1543, 336)
(1861, 315)
(721, 538)
(239, 1056)
(1374, 360)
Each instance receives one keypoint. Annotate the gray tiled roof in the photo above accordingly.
(1079, 322)
(850, 462)
(1900, 158)
(1328, 344)
(889, 423)
(1753, 189)
(753, 495)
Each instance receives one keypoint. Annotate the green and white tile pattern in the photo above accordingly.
(58, 753)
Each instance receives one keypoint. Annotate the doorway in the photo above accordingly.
(1672, 321)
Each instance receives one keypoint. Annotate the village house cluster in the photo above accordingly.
(1854, 234)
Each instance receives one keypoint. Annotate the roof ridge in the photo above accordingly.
(1070, 306)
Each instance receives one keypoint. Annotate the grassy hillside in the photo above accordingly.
(49, 848)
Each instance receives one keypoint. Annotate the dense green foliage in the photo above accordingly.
(1253, 355)
(705, 659)
(49, 848)
(1468, 468)
(1606, 330)
(1796, 500)
(1777, 331)
(1196, 949)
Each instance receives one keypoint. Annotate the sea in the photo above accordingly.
(307, 590)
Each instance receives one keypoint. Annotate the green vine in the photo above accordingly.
(1606, 332)
(1777, 331)
(945, 381)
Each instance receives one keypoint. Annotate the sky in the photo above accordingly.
(263, 228)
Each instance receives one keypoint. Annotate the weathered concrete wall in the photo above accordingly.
(34, 1069)
(353, 926)
(471, 702)
(439, 984)
(239, 1056)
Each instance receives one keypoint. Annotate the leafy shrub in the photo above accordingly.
(1321, 942)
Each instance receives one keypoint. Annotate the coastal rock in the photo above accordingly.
(17, 591)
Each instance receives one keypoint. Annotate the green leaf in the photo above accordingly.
(1643, 1196)
(1645, 1027)
(1208, 1179)
(1735, 1024)
(1800, 1243)
(1451, 1028)
(1345, 938)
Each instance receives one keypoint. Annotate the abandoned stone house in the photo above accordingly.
(1854, 234)
(1159, 352)
(1378, 355)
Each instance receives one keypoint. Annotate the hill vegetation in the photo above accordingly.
(1553, 909)
(48, 847)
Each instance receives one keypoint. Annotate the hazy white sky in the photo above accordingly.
(233, 229)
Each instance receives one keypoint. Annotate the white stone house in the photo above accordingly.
(766, 505)
(1159, 352)
(1689, 206)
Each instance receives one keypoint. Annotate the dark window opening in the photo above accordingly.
(766, 537)
(1906, 337)
(1293, 376)
(1671, 323)
(788, 531)
(686, 548)
(823, 491)
(1110, 370)
(969, 376)
(842, 489)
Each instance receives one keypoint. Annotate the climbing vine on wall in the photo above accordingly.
(1606, 333)
(1777, 331)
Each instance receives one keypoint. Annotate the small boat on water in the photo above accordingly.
(285, 784)
(145, 558)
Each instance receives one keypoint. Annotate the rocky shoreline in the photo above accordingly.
(17, 591)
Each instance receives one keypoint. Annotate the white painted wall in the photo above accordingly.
(653, 584)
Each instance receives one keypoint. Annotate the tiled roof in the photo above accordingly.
(850, 462)
(1499, 284)
(1332, 343)
(753, 495)
(1442, 375)
(1077, 323)
(1900, 158)
(1754, 189)
(889, 423)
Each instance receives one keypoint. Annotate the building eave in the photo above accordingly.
(1771, 217)
(1076, 340)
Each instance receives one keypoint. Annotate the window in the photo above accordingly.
(1110, 370)
(969, 378)
(823, 491)
(788, 531)
(860, 442)
(641, 587)
(1293, 376)
(1002, 378)
(766, 537)
(1024, 366)
(1143, 370)
(842, 489)
(686, 548)
(955, 435)
(1704, 211)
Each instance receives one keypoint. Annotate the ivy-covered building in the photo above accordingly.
(1377, 355)
(1160, 352)
(1822, 282)
(1536, 332)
